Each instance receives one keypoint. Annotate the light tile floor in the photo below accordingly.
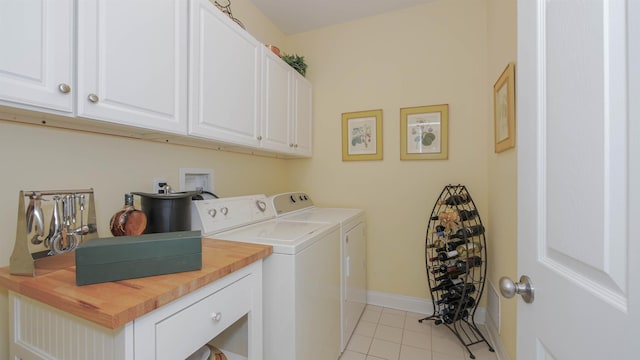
(390, 334)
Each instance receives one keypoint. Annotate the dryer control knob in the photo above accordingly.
(224, 210)
(212, 212)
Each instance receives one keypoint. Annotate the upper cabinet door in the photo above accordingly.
(277, 127)
(36, 65)
(132, 62)
(225, 78)
(303, 116)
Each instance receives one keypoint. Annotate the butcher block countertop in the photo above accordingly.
(113, 304)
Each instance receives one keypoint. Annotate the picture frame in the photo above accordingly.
(424, 132)
(504, 109)
(362, 135)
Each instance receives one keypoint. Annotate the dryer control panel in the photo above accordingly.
(289, 202)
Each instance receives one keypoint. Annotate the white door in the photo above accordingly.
(578, 178)
(132, 62)
(224, 76)
(36, 61)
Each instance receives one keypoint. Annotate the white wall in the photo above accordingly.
(425, 55)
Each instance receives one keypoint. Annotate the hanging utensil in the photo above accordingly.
(73, 209)
(29, 214)
(38, 221)
(55, 226)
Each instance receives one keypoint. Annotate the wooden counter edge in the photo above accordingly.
(27, 285)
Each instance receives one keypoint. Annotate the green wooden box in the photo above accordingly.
(128, 257)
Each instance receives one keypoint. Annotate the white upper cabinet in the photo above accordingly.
(303, 115)
(287, 108)
(151, 67)
(36, 61)
(225, 78)
(277, 104)
(132, 63)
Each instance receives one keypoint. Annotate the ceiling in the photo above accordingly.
(295, 16)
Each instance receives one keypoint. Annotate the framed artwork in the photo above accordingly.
(504, 109)
(362, 135)
(424, 132)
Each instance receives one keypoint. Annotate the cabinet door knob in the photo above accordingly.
(216, 316)
(259, 137)
(290, 145)
(93, 98)
(64, 88)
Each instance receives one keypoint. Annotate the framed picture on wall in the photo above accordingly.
(362, 135)
(504, 108)
(424, 132)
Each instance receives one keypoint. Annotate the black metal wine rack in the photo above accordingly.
(456, 262)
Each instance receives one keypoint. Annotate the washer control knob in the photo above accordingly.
(292, 198)
(262, 206)
(212, 212)
(224, 210)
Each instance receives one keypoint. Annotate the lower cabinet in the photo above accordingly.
(172, 332)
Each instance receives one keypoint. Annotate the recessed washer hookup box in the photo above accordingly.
(128, 257)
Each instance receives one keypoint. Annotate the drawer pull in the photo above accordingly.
(216, 316)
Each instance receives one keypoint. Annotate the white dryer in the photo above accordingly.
(301, 279)
(298, 206)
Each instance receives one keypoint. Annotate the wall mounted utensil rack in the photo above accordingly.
(456, 262)
(72, 221)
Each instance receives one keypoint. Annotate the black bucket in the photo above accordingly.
(167, 212)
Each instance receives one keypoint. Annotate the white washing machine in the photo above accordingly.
(301, 279)
(298, 206)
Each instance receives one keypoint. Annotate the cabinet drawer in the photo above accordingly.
(202, 321)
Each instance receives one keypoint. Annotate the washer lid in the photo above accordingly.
(286, 237)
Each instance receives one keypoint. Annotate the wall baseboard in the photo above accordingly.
(495, 339)
(412, 304)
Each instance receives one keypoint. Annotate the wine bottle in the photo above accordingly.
(446, 284)
(461, 251)
(451, 275)
(464, 303)
(444, 268)
(464, 265)
(451, 317)
(457, 199)
(455, 301)
(467, 232)
(466, 215)
(444, 256)
(466, 288)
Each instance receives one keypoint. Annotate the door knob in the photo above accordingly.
(523, 288)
